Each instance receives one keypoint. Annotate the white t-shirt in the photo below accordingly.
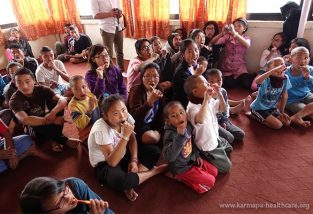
(102, 134)
(107, 24)
(206, 134)
(263, 60)
(45, 75)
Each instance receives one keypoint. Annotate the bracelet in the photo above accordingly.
(135, 160)
(124, 138)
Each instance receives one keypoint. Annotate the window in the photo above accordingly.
(7, 14)
(84, 8)
(266, 9)
(174, 9)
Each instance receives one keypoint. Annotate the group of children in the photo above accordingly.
(123, 124)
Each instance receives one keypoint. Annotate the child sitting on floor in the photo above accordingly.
(273, 87)
(300, 97)
(83, 107)
(201, 111)
(51, 195)
(185, 163)
(227, 129)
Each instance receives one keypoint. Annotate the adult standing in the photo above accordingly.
(109, 12)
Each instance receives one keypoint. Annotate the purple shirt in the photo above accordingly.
(234, 62)
(112, 82)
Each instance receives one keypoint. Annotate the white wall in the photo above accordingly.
(261, 33)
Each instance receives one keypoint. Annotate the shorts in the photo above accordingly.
(261, 115)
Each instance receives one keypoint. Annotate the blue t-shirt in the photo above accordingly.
(301, 88)
(268, 96)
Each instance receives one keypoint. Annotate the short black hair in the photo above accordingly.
(15, 46)
(211, 72)
(108, 101)
(24, 71)
(169, 105)
(190, 84)
(75, 78)
(45, 49)
(13, 64)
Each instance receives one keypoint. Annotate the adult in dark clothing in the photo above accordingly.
(78, 47)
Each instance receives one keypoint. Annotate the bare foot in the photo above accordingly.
(300, 122)
(247, 102)
(131, 194)
(254, 94)
(238, 108)
(160, 169)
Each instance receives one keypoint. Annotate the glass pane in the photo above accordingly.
(266, 6)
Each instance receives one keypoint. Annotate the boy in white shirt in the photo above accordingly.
(51, 72)
(201, 111)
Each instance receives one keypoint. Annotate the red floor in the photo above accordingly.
(271, 168)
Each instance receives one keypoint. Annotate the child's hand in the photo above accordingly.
(165, 85)
(92, 103)
(224, 125)
(208, 94)
(58, 120)
(305, 72)
(154, 96)
(181, 129)
(199, 161)
(133, 167)
(100, 72)
(154, 55)
(279, 70)
(287, 58)
(98, 206)
(13, 161)
(164, 52)
(126, 129)
(7, 154)
(200, 70)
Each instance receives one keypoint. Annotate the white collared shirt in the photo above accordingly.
(107, 24)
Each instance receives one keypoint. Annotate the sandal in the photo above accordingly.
(57, 147)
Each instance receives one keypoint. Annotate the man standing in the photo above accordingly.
(109, 12)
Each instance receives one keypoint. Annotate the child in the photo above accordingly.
(186, 68)
(51, 72)
(83, 107)
(104, 78)
(201, 111)
(179, 150)
(12, 150)
(276, 49)
(298, 42)
(273, 88)
(10, 88)
(51, 195)
(227, 129)
(300, 97)
(234, 67)
(113, 150)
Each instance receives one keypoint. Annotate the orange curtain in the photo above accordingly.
(2, 39)
(64, 12)
(150, 18)
(194, 13)
(127, 11)
(33, 18)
